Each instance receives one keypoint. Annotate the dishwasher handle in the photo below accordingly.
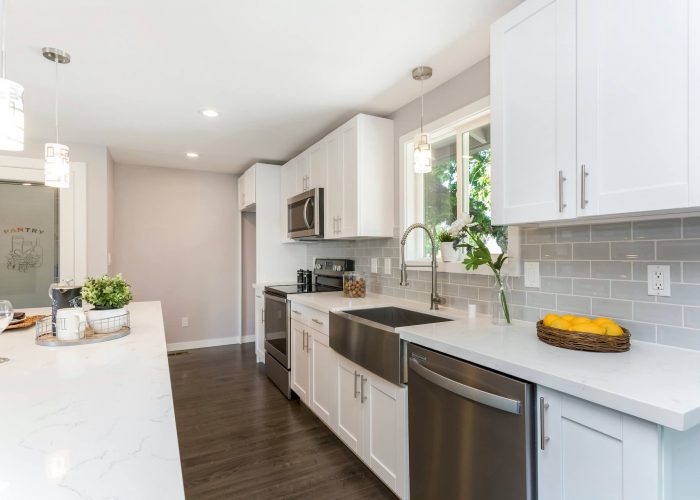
(466, 391)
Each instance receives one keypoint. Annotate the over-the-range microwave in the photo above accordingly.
(305, 215)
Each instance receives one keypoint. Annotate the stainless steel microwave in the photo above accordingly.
(305, 215)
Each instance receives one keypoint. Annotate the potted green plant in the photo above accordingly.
(447, 245)
(108, 295)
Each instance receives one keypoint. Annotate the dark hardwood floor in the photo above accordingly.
(240, 438)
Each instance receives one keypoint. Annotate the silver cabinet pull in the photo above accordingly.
(295, 311)
(363, 379)
(562, 205)
(584, 174)
(543, 438)
(355, 391)
(263, 315)
(317, 321)
(303, 340)
(466, 391)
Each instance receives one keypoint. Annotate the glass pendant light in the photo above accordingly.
(422, 154)
(56, 155)
(11, 104)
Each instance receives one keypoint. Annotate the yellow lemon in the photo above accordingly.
(601, 321)
(612, 329)
(568, 317)
(561, 324)
(588, 328)
(581, 319)
(549, 319)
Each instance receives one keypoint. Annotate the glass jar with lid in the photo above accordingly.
(354, 284)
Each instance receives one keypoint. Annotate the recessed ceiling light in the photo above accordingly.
(209, 113)
(192, 155)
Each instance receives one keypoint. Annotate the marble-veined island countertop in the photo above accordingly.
(91, 421)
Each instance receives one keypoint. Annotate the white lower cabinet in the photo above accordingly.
(372, 421)
(259, 327)
(586, 451)
(300, 361)
(323, 393)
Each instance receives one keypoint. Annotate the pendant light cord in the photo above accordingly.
(4, 15)
(56, 98)
(421, 106)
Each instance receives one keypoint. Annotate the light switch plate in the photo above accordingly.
(374, 265)
(387, 265)
(659, 281)
(532, 274)
(185, 321)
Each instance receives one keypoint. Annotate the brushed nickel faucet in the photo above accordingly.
(435, 299)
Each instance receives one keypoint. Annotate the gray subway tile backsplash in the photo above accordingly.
(639, 250)
(691, 227)
(663, 229)
(592, 251)
(617, 231)
(611, 270)
(570, 234)
(679, 250)
(596, 269)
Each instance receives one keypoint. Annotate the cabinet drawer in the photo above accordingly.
(318, 320)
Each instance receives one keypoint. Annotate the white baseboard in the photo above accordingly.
(198, 344)
(247, 338)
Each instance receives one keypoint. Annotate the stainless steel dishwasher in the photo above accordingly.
(471, 431)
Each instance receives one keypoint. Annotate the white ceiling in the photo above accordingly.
(281, 72)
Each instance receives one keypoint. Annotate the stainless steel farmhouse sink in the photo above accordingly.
(368, 337)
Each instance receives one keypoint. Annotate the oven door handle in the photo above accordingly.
(275, 298)
(466, 391)
(306, 212)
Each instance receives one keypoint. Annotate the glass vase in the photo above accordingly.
(500, 306)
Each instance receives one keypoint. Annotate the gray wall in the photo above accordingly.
(248, 272)
(176, 239)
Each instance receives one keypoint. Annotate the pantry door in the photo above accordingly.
(42, 231)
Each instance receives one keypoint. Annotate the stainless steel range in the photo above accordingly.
(327, 277)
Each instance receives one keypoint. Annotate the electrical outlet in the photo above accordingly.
(532, 274)
(185, 321)
(659, 281)
(387, 265)
(374, 265)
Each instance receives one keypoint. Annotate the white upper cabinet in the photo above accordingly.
(633, 105)
(533, 99)
(604, 91)
(288, 188)
(359, 199)
(302, 173)
(246, 190)
(317, 160)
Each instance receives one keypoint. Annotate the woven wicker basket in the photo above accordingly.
(578, 341)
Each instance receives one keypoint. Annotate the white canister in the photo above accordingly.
(70, 323)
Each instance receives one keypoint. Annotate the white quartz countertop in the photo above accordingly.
(91, 421)
(657, 383)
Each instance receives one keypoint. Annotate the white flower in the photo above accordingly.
(460, 225)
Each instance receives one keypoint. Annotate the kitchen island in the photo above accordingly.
(91, 421)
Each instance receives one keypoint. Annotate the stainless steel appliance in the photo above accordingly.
(327, 277)
(369, 338)
(305, 215)
(471, 430)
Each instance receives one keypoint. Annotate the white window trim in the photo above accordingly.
(407, 183)
(72, 211)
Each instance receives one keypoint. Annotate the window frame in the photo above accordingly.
(457, 122)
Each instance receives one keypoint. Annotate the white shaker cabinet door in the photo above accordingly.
(633, 105)
(694, 135)
(348, 137)
(300, 361)
(324, 386)
(349, 406)
(334, 193)
(317, 165)
(385, 429)
(586, 451)
(533, 104)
